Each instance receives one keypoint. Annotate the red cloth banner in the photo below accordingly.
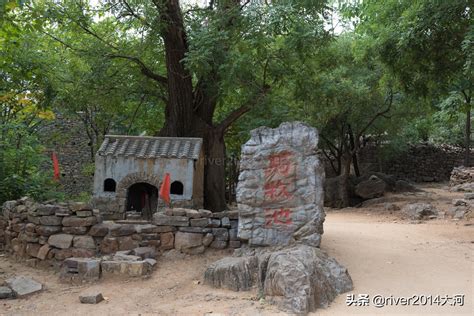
(55, 166)
(165, 189)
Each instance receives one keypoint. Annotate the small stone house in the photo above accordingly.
(129, 171)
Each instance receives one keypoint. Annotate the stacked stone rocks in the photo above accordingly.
(45, 231)
(36, 232)
(423, 162)
(461, 175)
(198, 229)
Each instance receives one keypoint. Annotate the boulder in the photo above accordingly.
(417, 211)
(234, 273)
(302, 279)
(298, 279)
(371, 188)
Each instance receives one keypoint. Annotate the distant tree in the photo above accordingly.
(428, 45)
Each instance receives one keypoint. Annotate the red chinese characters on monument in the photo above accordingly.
(278, 187)
(278, 217)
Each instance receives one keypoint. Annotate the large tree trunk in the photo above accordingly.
(214, 170)
(179, 109)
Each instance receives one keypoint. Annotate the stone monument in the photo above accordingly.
(280, 191)
(280, 199)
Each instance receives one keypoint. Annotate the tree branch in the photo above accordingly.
(237, 113)
(143, 68)
(376, 116)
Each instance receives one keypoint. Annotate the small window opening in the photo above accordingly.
(109, 185)
(176, 188)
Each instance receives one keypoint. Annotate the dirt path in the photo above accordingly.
(402, 259)
(383, 257)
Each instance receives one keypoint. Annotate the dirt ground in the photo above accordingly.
(384, 253)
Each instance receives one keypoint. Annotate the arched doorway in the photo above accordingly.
(142, 197)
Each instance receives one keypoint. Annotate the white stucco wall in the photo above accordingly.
(118, 168)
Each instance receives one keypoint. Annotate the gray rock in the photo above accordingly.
(144, 252)
(162, 219)
(404, 186)
(218, 244)
(99, 230)
(214, 223)
(91, 298)
(280, 188)
(84, 213)
(200, 222)
(220, 233)
(46, 209)
(188, 243)
(235, 244)
(62, 211)
(225, 222)
(6, 292)
(86, 242)
(47, 230)
(391, 207)
(123, 230)
(23, 286)
(371, 188)
(459, 202)
(61, 241)
(192, 213)
(469, 196)
(81, 230)
(237, 274)
(50, 220)
(43, 252)
(78, 270)
(417, 211)
(80, 206)
(205, 213)
(298, 279)
(199, 230)
(207, 239)
(79, 221)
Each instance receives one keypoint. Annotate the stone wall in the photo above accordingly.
(419, 163)
(67, 138)
(35, 232)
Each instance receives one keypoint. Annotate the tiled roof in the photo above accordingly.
(150, 147)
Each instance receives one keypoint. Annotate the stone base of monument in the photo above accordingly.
(297, 279)
(280, 200)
